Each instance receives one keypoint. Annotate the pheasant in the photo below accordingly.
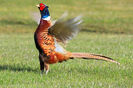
(47, 37)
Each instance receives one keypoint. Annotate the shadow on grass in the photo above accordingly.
(17, 22)
(16, 68)
(12, 22)
(104, 31)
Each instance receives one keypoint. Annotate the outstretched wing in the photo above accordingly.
(65, 30)
(36, 17)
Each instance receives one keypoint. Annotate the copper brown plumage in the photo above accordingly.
(46, 36)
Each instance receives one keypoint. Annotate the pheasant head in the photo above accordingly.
(44, 11)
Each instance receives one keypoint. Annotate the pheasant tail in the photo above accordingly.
(93, 56)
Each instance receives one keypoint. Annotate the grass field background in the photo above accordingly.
(99, 16)
(107, 30)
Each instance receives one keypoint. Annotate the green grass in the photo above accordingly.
(109, 16)
(19, 67)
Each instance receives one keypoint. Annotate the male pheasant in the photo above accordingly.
(47, 37)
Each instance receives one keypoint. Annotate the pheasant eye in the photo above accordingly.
(42, 6)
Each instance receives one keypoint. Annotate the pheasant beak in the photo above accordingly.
(38, 5)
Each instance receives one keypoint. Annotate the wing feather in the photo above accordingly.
(36, 17)
(65, 30)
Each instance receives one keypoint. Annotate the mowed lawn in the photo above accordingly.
(106, 29)
(19, 65)
(113, 16)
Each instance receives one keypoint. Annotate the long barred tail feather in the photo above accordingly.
(93, 56)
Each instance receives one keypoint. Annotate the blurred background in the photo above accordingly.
(106, 16)
(107, 29)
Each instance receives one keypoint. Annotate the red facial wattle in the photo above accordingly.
(42, 6)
